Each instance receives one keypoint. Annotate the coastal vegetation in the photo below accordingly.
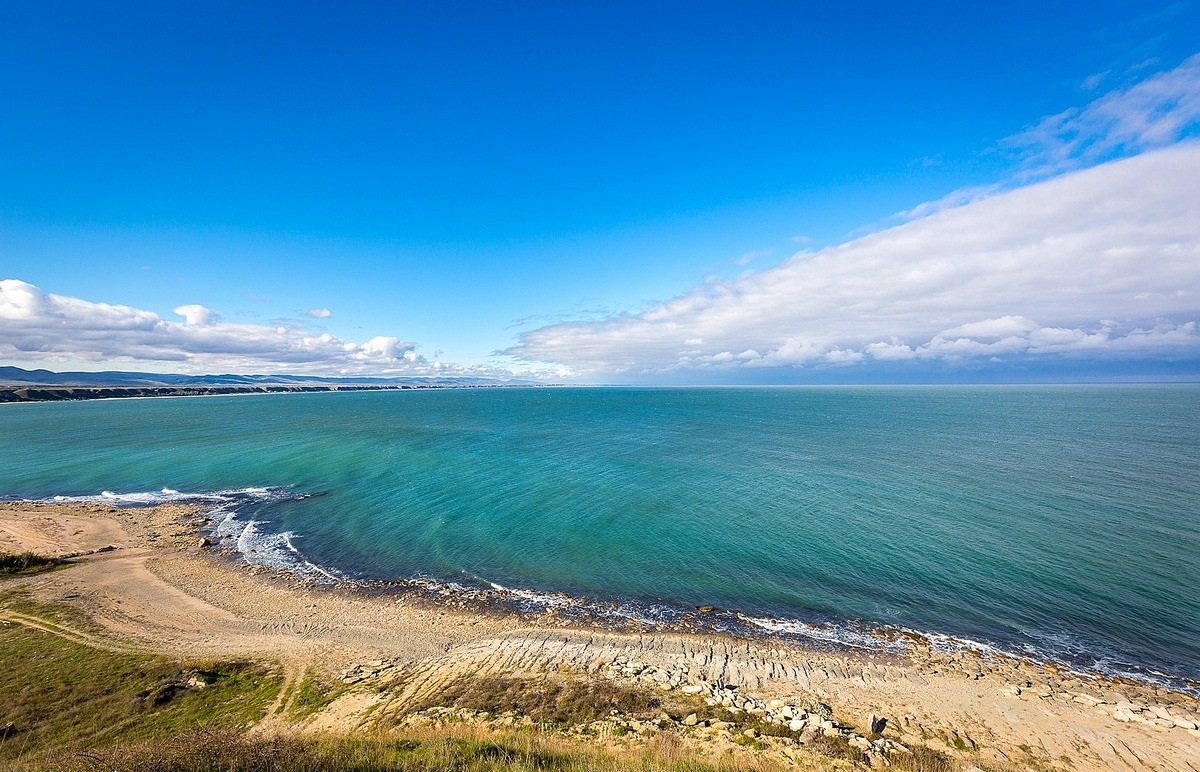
(26, 563)
(61, 698)
(69, 702)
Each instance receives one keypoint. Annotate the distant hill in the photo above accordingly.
(16, 376)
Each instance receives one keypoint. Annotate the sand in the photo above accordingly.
(160, 591)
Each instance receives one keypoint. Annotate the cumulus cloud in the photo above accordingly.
(320, 313)
(1098, 263)
(37, 326)
(195, 314)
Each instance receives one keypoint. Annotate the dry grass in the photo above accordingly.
(547, 700)
(463, 749)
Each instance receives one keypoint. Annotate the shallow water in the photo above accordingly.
(1059, 521)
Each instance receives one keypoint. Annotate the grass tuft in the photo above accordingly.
(25, 563)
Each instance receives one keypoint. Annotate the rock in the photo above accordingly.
(810, 733)
(690, 720)
(706, 609)
(797, 724)
(751, 732)
(205, 543)
(822, 710)
(1123, 714)
(1184, 723)
(718, 725)
(876, 723)
(692, 689)
(861, 743)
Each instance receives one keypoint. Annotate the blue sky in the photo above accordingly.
(598, 191)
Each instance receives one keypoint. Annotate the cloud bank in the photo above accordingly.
(1099, 264)
(41, 327)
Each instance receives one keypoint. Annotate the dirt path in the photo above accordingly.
(69, 633)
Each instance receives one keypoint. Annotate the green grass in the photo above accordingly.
(69, 696)
(312, 695)
(25, 563)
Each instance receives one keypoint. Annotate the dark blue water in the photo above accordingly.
(1061, 521)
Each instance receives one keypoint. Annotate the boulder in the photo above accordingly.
(690, 720)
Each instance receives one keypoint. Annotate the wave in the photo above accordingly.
(234, 523)
(236, 520)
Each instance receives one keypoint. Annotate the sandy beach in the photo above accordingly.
(145, 581)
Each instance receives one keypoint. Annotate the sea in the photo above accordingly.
(1060, 523)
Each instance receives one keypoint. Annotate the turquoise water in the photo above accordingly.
(1059, 521)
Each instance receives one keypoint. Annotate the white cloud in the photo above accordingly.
(320, 313)
(1098, 263)
(1155, 112)
(194, 314)
(36, 326)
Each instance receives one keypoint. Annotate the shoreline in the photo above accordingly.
(160, 590)
(212, 511)
(657, 615)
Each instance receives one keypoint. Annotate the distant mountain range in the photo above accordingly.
(16, 376)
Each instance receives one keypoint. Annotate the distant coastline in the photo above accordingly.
(74, 393)
(18, 385)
